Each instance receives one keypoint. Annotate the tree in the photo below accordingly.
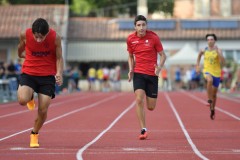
(107, 8)
(80, 7)
(165, 6)
(36, 1)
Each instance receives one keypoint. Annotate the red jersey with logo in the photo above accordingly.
(145, 50)
(40, 57)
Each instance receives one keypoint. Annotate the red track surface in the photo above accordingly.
(104, 126)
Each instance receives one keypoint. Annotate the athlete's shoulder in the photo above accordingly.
(151, 33)
(203, 50)
(131, 35)
(28, 31)
(52, 30)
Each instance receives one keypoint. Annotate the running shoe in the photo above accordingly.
(212, 110)
(212, 114)
(34, 141)
(143, 134)
(31, 105)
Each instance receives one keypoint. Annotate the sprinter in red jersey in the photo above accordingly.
(42, 68)
(144, 46)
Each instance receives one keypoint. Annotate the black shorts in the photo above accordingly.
(40, 84)
(146, 82)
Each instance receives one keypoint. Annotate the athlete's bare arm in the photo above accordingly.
(220, 55)
(201, 52)
(59, 62)
(131, 66)
(21, 45)
(162, 61)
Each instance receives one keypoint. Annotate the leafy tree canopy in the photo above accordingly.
(109, 8)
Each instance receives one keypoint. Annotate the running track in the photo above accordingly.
(104, 126)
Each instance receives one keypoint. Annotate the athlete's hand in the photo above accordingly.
(217, 50)
(130, 76)
(59, 79)
(157, 70)
(197, 69)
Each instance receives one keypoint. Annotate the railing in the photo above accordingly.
(8, 89)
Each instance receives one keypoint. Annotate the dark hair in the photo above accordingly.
(139, 18)
(40, 25)
(213, 35)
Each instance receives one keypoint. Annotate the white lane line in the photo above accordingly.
(62, 116)
(217, 108)
(140, 149)
(15, 103)
(228, 98)
(196, 151)
(80, 151)
(14, 113)
(52, 105)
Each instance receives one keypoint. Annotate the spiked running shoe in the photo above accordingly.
(34, 141)
(212, 111)
(143, 134)
(212, 114)
(31, 105)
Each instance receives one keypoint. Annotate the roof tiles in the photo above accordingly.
(17, 18)
(108, 29)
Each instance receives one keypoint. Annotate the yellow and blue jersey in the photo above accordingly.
(211, 63)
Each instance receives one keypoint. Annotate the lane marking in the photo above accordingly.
(196, 151)
(228, 98)
(24, 149)
(14, 113)
(217, 108)
(236, 150)
(51, 105)
(80, 151)
(15, 103)
(140, 149)
(62, 116)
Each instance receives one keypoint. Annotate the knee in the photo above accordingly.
(151, 108)
(22, 101)
(139, 102)
(42, 111)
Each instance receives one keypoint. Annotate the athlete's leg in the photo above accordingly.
(43, 103)
(139, 94)
(209, 86)
(151, 103)
(214, 91)
(25, 94)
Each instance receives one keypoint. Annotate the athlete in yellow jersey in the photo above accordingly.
(213, 59)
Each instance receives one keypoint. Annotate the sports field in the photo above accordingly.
(104, 126)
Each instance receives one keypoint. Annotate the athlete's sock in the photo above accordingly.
(34, 132)
(209, 101)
